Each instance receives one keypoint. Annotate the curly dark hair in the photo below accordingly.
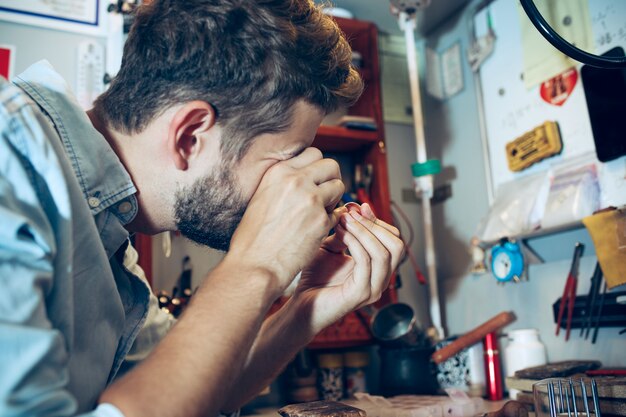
(250, 59)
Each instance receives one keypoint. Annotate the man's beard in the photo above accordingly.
(209, 211)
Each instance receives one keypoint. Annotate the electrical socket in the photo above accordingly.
(409, 196)
(441, 194)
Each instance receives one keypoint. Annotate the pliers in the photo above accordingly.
(363, 179)
(569, 292)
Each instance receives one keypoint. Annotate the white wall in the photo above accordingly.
(34, 43)
(453, 135)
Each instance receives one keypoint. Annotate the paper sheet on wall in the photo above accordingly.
(571, 20)
(80, 16)
(434, 83)
(452, 70)
(83, 11)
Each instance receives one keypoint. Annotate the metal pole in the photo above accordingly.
(423, 185)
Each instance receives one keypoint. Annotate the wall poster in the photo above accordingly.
(82, 16)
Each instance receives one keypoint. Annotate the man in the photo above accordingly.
(206, 129)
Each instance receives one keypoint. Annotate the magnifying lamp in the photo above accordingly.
(566, 47)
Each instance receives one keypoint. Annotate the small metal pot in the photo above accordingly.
(407, 371)
(396, 326)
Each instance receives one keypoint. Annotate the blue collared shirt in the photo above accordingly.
(69, 309)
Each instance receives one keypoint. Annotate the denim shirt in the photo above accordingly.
(69, 309)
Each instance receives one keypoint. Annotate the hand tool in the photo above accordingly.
(560, 404)
(569, 292)
(594, 289)
(363, 180)
(599, 315)
(474, 336)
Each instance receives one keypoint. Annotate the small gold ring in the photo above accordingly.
(353, 206)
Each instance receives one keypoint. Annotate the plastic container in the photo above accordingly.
(523, 351)
(354, 367)
(330, 376)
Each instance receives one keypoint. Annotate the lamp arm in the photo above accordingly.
(564, 46)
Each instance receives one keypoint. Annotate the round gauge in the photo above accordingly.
(507, 261)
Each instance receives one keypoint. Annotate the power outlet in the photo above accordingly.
(441, 194)
(409, 196)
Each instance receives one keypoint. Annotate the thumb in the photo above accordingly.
(334, 243)
(335, 215)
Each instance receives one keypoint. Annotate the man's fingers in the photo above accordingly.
(330, 192)
(336, 214)
(316, 167)
(380, 257)
(323, 170)
(306, 158)
(335, 243)
(362, 264)
(384, 233)
(366, 211)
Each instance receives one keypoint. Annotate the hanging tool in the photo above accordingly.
(590, 302)
(569, 292)
(363, 180)
(184, 282)
(599, 315)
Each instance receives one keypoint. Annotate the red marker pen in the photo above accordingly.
(493, 368)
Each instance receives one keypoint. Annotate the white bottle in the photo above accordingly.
(523, 351)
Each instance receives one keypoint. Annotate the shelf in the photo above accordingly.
(340, 139)
(535, 233)
(350, 331)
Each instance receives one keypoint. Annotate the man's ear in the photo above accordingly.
(191, 120)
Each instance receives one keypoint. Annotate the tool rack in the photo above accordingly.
(351, 148)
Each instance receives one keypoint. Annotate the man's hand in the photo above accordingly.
(288, 216)
(332, 285)
(335, 283)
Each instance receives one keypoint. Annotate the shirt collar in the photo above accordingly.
(105, 183)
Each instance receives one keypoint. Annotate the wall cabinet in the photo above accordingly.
(352, 147)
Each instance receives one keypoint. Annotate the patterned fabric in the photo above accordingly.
(330, 382)
(454, 372)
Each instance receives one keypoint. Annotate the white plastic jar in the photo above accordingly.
(524, 350)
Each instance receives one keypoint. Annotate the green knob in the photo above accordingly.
(430, 167)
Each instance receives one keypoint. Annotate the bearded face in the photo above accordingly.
(209, 211)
